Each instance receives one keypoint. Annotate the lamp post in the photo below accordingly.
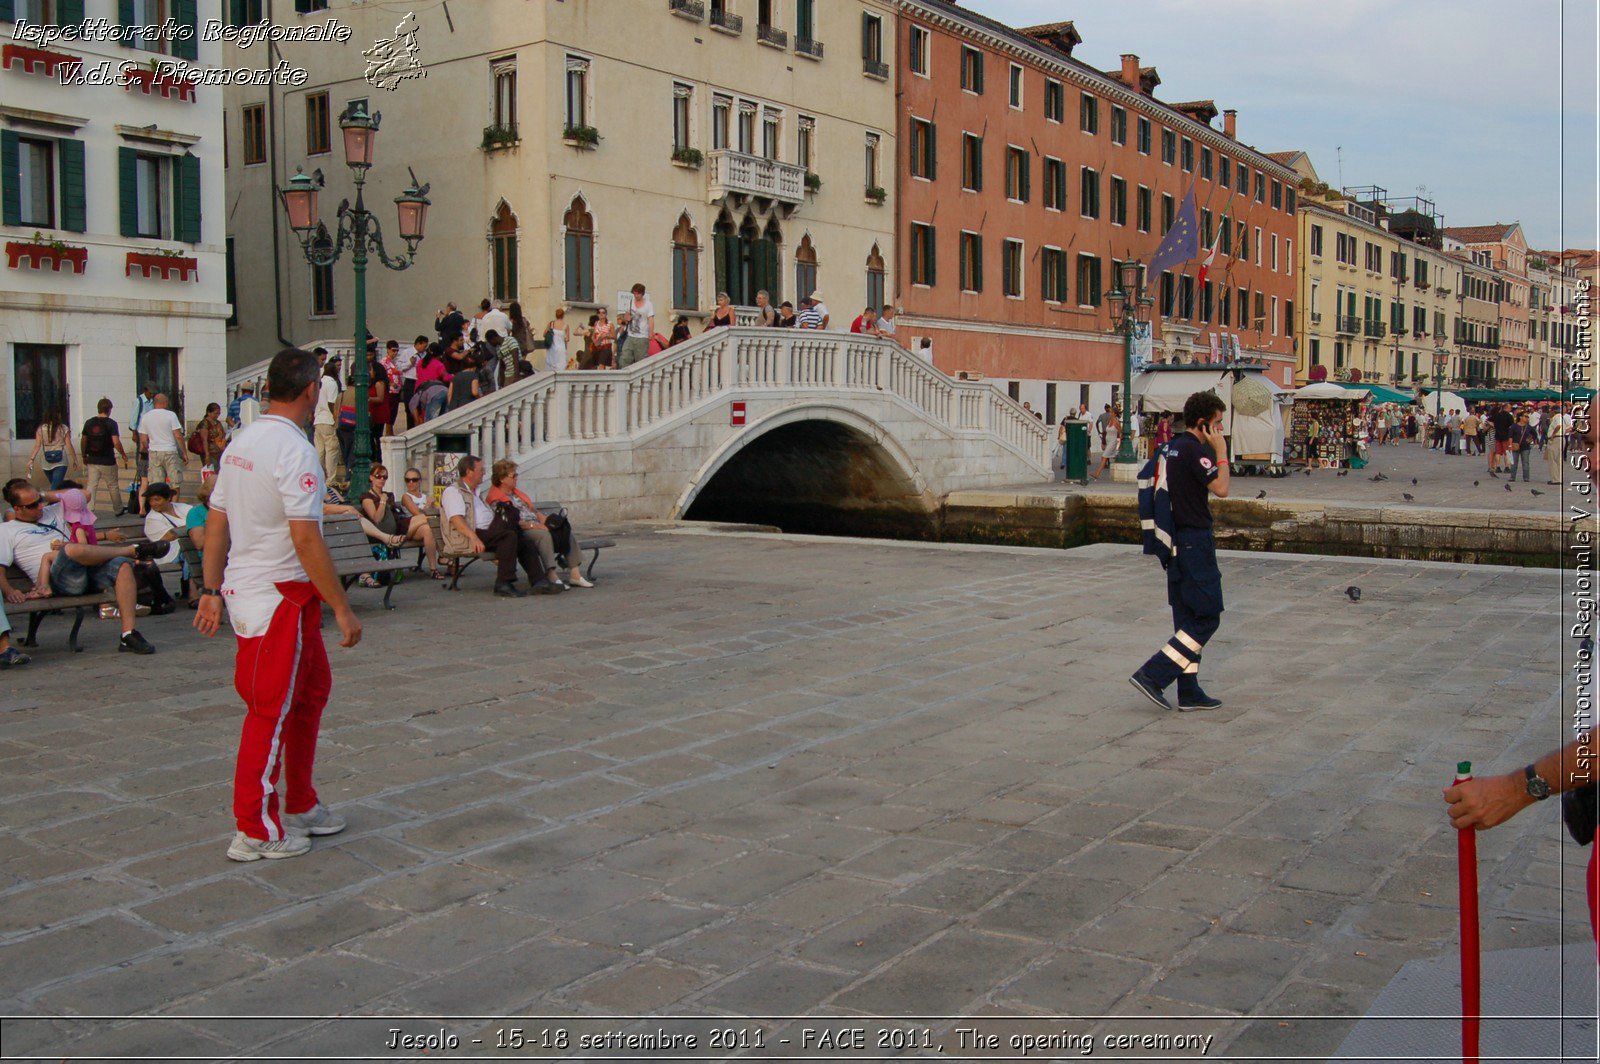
(1441, 358)
(359, 231)
(1130, 305)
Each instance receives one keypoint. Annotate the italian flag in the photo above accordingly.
(1211, 256)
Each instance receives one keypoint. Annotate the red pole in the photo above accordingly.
(1471, 978)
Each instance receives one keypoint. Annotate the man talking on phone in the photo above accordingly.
(1196, 467)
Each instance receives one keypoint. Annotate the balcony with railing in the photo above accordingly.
(875, 68)
(1374, 330)
(727, 22)
(729, 171)
(1347, 324)
(690, 9)
(1316, 317)
(767, 33)
(809, 47)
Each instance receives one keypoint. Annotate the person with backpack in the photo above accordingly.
(102, 450)
(1174, 498)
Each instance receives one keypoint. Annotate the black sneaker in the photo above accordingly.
(12, 658)
(1148, 688)
(1200, 700)
(145, 552)
(134, 643)
(509, 591)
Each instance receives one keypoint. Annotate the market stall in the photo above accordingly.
(1325, 426)
(1253, 420)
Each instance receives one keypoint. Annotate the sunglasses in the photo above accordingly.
(29, 505)
(379, 476)
(413, 480)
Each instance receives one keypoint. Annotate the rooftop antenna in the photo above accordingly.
(1339, 154)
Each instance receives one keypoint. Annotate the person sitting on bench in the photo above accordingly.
(542, 530)
(470, 527)
(37, 532)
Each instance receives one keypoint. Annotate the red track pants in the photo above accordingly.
(284, 679)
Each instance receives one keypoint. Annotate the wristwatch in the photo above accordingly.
(1538, 786)
(204, 591)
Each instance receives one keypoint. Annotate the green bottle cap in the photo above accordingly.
(1463, 768)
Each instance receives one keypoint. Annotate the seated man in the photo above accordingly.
(37, 532)
(165, 520)
(536, 528)
(471, 527)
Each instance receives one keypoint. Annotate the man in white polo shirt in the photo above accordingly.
(163, 434)
(265, 525)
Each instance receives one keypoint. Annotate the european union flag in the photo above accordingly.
(1182, 242)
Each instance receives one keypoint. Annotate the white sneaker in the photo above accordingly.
(318, 820)
(577, 580)
(245, 848)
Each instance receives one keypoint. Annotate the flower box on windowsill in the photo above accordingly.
(497, 137)
(184, 267)
(36, 60)
(149, 81)
(688, 158)
(876, 195)
(40, 256)
(813, 182)
(584, 138)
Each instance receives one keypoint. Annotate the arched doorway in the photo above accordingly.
(503, 254)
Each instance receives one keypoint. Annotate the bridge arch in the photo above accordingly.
(812, 467)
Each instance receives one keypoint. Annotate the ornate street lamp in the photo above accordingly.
(359, 231)
(1130, 306)
(1441, 359)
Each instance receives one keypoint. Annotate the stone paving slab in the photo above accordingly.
(781, 775)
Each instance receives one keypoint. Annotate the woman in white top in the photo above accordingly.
(54, 442)
(555, 356)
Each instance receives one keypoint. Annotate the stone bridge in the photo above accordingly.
(751, 424)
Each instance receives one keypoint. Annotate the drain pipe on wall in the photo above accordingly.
(272, 55)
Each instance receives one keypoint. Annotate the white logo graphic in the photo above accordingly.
(392, 61)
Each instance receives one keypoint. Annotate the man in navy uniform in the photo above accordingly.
(1194, 584)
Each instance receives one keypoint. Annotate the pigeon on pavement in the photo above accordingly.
(1344, 472)
(1407, 496)
(1474, 483)
(1535, 491)
(1263, 495)
(1413, 482)
(1354, 593)
(1508, 487)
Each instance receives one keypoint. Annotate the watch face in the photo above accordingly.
(1537, 786)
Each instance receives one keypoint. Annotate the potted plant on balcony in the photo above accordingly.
(41, 253)
(877, 194)
(813, 182)
(689, 157)
(495, 137)
(165, 262)
(585, 137)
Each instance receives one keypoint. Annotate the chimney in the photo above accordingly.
(1230, 124)
(1130, 71)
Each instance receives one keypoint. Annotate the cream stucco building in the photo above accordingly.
(577, 148)
(113, 221)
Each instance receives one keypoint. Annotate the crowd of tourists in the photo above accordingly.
(1507, 435)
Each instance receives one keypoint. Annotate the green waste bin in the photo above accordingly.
(1077, 458)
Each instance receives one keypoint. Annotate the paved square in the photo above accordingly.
(758, 774)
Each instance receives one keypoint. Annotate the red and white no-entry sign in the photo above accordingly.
(738, 414)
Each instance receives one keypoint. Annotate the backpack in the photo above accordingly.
(97, 439)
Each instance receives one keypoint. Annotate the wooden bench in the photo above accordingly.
(350, 549)
(460, 563)
(131, 526)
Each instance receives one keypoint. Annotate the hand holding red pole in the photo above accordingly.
(1471, 978)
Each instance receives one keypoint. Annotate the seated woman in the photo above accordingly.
(333, 504)
(379, 507)
(535, 526)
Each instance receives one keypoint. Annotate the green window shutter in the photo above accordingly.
(68, 12)
(8, 13)
(186, 175)
(124, 12)
(1027, 177)
(774, 273)
(128, 185)
(933, 152)
(11, 167)
(74, 202)
(185, 13)
(866, 35)
(933, 258)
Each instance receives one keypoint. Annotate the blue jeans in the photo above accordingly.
(1521, 460)
(70, 577)
(56, 476)
(5, 622)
